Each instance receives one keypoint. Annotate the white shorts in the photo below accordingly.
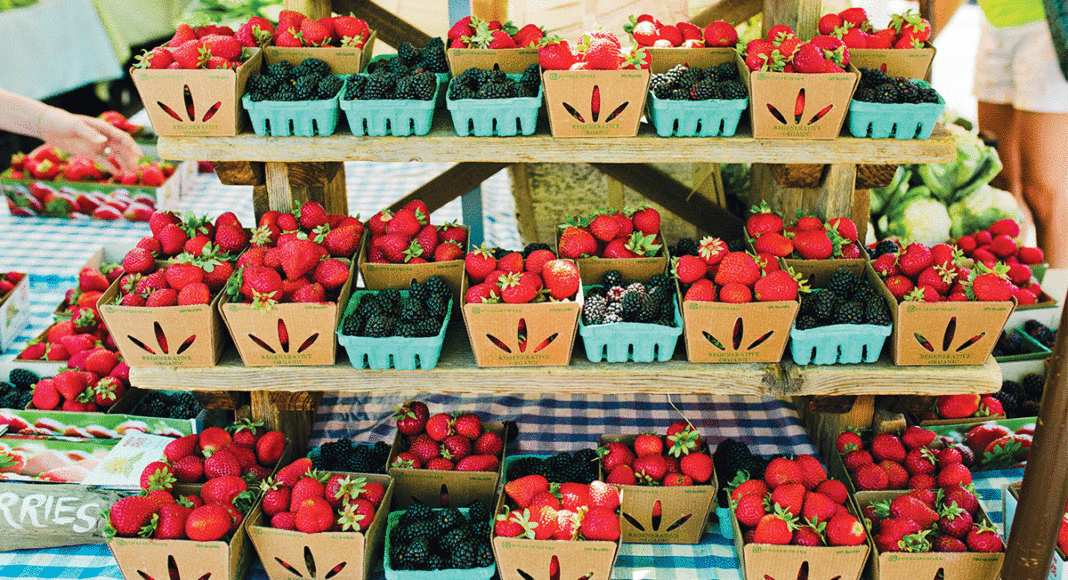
(1017, 66)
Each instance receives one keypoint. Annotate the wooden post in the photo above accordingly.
(801, 15)
(311, 8)
(1045, 482)
(292, 413)
(834, 197)
(291, 184)
(825, 427)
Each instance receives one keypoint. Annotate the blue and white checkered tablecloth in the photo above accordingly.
(52, 251)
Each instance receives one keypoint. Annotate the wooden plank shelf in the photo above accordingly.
(456, 372)
(884, 378)
(443, 145)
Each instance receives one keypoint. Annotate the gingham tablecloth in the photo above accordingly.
(52, 251)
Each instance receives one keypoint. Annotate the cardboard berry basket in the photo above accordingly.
(522, 335)
(947, 333)
(400, 276)
(14, 312)
(343, 60)
(762, 561)
(508, 60)
(798, 106)
(348, 555)
(946, 565)
(287, 334)
(911, 63)
(109, 254)
(592, 270)
(444, 488)
(662, 60)
(523, 559)
(1058, 566)
(721, 332)
(595, 103)
(684, 510)
(196, 102)
(170, 336)
(140, 558)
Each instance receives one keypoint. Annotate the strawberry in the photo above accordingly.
(984, 538)
(489, 444)
(772, 529)
(782, 471)
(468, 425)
(644, 33)
(600, 524)
(479, 263)
(646, 221)
(833, 489)
(990, 284)
(554, 53)
(223, 489)
(871, 477)
(404, 222)
(561, 278)
(749, 510)
(479, 462)
(439, 426)
(221, 463)
(957, 406)
(812, 471)
(650, 468)
(269, 448)
(720, 33)
(789, 497)
(738, 267)
(887, 446)
(697, 466)
(180, 448)
(576, 243)
(954, 474)
(129, 514)
(776, 286)
(845, 530)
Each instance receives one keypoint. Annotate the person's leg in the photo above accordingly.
(999, 120)
(1044, 175)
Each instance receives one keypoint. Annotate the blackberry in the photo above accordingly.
(450, 540)
(23, 378)
(438, 307)
(850, 313)
(866, 94)
(593, 310)
(906, 91)
(1029, 408)
(660, 280)
(1033, 385)
(436, 562)
(316, 66)
(887, 93)
(415, 513)
(499, 253)
(632, 304)
(663, 92)
(413, 311)
(523, 467)
(736, 245)
(531, 248)
(808, 305)
(465, 556)
(826, 305)
(886, 247)
(675, 73)
(558, 466)
(928, 95)
(649, 309)
(472, 77)
(279, 71)
(689, 78)
(679, 95)
(285, 92)
(329, 87)
(843, 282)
(731, 90)
(380, 326)
(659, 82)
(409, 54)
(458, 91)
(703, 91)
(451, 518)
(390, 300)
(876, 312)
(355, 87)
(805, 322)
(531, 79)
(728, 458)
(685, 247)
(436, 286)
(614, 294)
(754, 465)
(416, 554)
(664, 296)
(422, 86)
(727, 71)
(333, 454)
(483, 555)
(493, 91)
(434, 56)
(477, 512)
(1044, 335)
(378, 87)
(612, 278)
(1009, 403)
(418, 292)
(306, 87)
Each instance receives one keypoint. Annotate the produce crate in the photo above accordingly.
(798, 106)
(287, 334)
(720, 332)
(900, 121)
(297, 118)
(543, 335)
(484, 573)
(711, 118)
(347, 555)
(947, 333)
(500, 117)
(196, 102)
(684, 510)
(592, 270)
(630, 341)
(392, 352)
(399, 118)
(445, 488)
(595, 103)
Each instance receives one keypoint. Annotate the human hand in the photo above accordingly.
(96, 139)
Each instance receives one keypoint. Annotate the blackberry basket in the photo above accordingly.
(396, 117)
(708, 118)
(898, 120)
(292, 118)
(484, 573)
(838, 343)
(394, 352)
(631, 341)
(500, 117)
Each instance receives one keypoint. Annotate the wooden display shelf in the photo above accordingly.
(885, 378)
(456, 372)
(443, 145)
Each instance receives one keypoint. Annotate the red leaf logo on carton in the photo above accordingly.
(283, 340)
(161, 342)
(190, 108)
(309, 564)
(595, 108)
(656, 520)
(799, 111)
(947, 338)
(737, 338)
(521, 340)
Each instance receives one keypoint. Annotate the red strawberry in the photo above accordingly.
(957, 406)
(561, 278)
(781, 471)
(738, 267)
(600, 524)
(790, 497)
(845, 530)
(489, 444)
(697, 466)
(887, 446)
(478, 462)
(954, 474)
(479, 263)
(647, 221)
(833, 489)
(576, 243)
(984, 538)
(871, 477)
(720, 33)
(772, 529)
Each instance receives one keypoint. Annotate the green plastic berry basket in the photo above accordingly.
(292, 118)
(404, 354)
(396, 117)
(838, 344)
(484, 573)
(630, 341)
(443, 80)
(900, 121)
(709, 118)
(500, 117)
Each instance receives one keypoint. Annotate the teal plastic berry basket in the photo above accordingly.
(710, 118)
(630, 341)
(403, 354)
(292, 118)
(900, 121)
(484, 573)
(838, 344)
(396, 117)
(443, 80)
(500, 117)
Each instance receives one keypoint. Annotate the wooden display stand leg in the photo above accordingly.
(835, 195)
(289, 185)
(291, 413)
(824, 423)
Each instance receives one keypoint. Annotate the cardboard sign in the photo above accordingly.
(41, 515)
